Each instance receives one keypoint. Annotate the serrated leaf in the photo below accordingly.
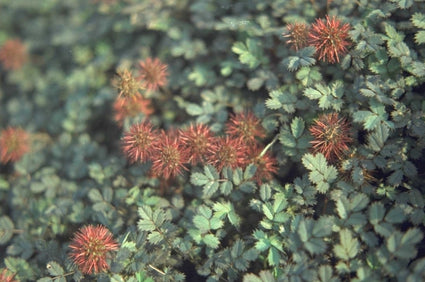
(263, 243)
(325, 273)
(418, 20)
(403, 245)
(412, 236)
(395, 215)
(199, 179)
(376, 213)
(45, 279)
(297, 127)
(348, 247)
(265, 276)
(265, 192)
(222, 209)
(211, 172)
(6, 229)
(312, 93)
(248, 187)
(54, 268)
(250, 53)
(20, 266)
(404, 4)
(395, 177)
(145, 212)
(420, 37)
(205, 211)
(155, 237)
(201, 222)
(95, 195)
(357, 219)
(250, 277)
(308, 75)
(303, 58)
(146, 225)
(237, 176)
(226, 187)
(315, 246)
(321, 174)
(359, 202)
(323, 226)
(249, 171)
(210, 188)
(215, 223)
(377, 139)
(281, 217)
(279, 203)
(273, 257)
(237, 248)
(392, 33)
(194, 109)
(234, 219)
(384, 229)
(268, 211)
(342, 208)
(211, 241)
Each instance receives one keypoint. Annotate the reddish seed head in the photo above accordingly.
(90, 248)
(127, 85)
(131, 107)
(13, 54)
(170, 156)
(138, 142)
(227, 152)
(331, 136)
(7, 276)
(14, 143)
(297, 35)
(197, 139)
(245, 126)
(266, 164)
(330, 38)
(153, 73)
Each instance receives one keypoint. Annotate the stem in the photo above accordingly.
(63, 275)
(269, 145)
(156, 269)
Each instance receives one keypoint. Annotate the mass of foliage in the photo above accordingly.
(212, 140)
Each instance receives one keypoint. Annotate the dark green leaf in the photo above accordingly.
(95, 195)
(199, 179)
(395, 215)
(297, 127)
(376, 213)
(250, 171)
(274, 256)
(54, 268)
(315, 246)
(348, 247)
(265, 192)
(323, 226)
(6, 229)
(211, 241)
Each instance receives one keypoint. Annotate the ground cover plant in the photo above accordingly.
(200, 140)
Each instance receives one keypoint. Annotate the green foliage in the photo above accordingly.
(329, 97)
(348, 246)
(250, 53)
(360, 217)
(321, 174)
(373, 118)
(304, 58)
(418, 20)
(6, 229)
(280, 98)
